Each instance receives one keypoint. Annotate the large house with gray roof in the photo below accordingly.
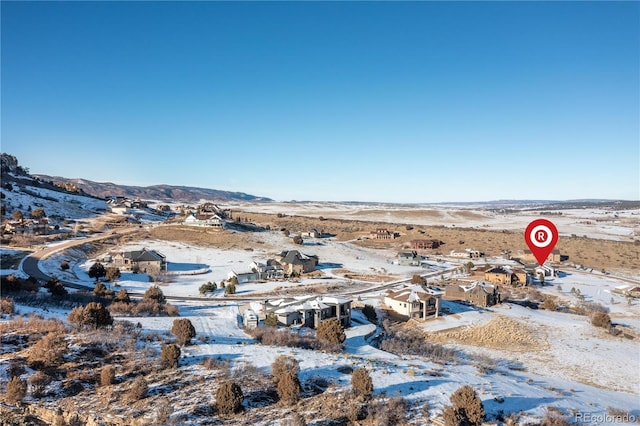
(145, 261)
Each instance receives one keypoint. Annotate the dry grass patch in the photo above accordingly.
(499, 333)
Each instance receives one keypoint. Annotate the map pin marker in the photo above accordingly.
(541, 236)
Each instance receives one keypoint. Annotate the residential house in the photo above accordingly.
(628, 290)
(294, 262)
(526, 256)
(309, 311)
(146, 261)
(244, 277)
(466, 254)
(503, 275)
(271, 270)
(415, 301)
(425, 244)
(383, 234)
(479, 293)
(204, 219)
(409, 258)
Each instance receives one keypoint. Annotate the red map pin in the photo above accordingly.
(541, 236)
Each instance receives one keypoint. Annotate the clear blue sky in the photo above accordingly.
(382, 101)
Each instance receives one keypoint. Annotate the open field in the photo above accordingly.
(607, 254)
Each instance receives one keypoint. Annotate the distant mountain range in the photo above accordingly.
(166, 193)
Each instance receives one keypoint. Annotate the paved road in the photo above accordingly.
(30, 263)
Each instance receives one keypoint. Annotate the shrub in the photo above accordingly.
(15, 368)
(107, 375)
(112, 273)
(410, 342)
(38, 382)
(271, 320)
(601, 319)
(417, 279)
(183, 330)
(101, 290)
(154, 293)
(209, 287)
(64, 265)
(285, 337)
(11, 283)
(553, 418)
(289, 388)
(97, 271)
(93, 315)
(48, 351)
(467, 408)
(298, 240)
(282, 365)
(549, 304)
(123, 296)
(16, 390)
(55, 287)
(138, 389)
(361, 383)
(331, 331)
(7, 306)
(229, 398)
(390, 412)
(370, 313)
(294, 419)
(170, 356)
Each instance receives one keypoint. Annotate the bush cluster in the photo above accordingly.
(11, 283)
(139, 389)
(48, 351)
(153, 304)
(285, 337)
(107, 375)
(361, 383)
(39, 382)
(92, 315)
(331, 331)
(410, 342)
(183, 330)
(6, 306)
(601, 319)
(229, 398)
(16, 390)
(370, 313)
(289, 388)
(208, 287)
(170, 356)
(466, 408)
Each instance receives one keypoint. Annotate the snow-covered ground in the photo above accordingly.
(576, 367)
(591, 222)
(332, 254)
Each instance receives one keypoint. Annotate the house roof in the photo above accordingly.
(478, 286)
(407, 254)
(294, 257)
(413, 293)
(144, 255)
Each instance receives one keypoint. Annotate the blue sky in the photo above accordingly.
(381, 101)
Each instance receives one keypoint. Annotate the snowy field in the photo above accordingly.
(620, 225)
(577, 367)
